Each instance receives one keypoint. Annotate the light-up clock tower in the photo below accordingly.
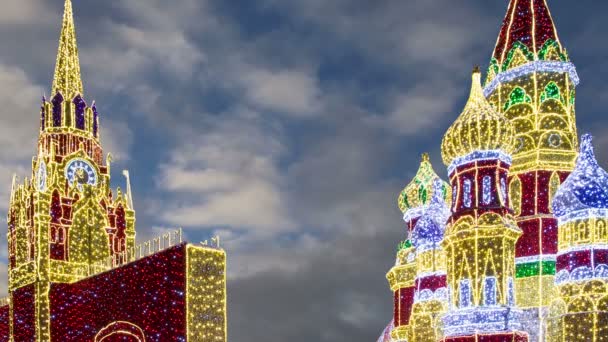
(65, 220)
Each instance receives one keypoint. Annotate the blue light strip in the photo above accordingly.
(526, 69)
(479, 156)
(481, 320)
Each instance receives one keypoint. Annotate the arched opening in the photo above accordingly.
(120, 332)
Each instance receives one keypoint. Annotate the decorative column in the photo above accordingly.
(580, 312)
(431, 294)
(481, 233)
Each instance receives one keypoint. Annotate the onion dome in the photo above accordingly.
(386, 333)
(430, 228)
(478, 128)
(419, 192)
(585, 190)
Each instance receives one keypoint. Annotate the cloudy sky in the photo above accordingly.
(287, 127)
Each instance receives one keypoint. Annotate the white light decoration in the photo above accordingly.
(489, 291)
(585, 192)
(503, 190)
(467, 193)
(479, 156)
(480, 320)
(510, 292)
(487, 190)
(430, 228)
(465, 293)
(532, 67)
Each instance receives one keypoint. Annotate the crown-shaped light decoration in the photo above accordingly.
(478, 128)
(430, 228)
(585, 191)
(419, 192)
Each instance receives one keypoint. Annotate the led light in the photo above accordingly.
(75, 273)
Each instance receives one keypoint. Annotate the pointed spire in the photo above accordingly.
(528, 23)
(13, 188)
(67, 79)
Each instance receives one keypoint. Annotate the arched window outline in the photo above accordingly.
(467, 193)
(503, 190)
(487, 189)
(465, 293)
(57, 110)
(510, 292)
(515, 195)
(489, 291)
(56, 211)
(79, 108)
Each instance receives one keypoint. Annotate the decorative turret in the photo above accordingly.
(532, 82)
(431, 294)
(478, 128)
(429, 229)
(584, 194)
(414, 201)
(417, 195)
(581, 206)
(64, 223)
(481, 233)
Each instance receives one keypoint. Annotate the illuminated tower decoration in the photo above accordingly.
(66, 218)
(580, 312)
(413, 201)
(75, 273)
(481, 233)
(532, 82)
(431, 293)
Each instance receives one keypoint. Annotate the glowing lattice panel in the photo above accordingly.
(206, 294)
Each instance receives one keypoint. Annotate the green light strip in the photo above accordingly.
(536, 268)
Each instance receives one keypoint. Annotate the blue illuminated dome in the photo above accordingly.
(585, 190)
(430, 228)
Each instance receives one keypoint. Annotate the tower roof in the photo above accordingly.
(430, 228)
(419, 192)
(585, 189)
(528, 25)
(478, 128)
(67, 79)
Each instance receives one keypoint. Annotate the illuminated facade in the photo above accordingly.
(580, 311)
(532, 82)
(524, 260)
(481, 234)
(75, 272)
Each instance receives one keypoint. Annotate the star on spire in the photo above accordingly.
(67, 79)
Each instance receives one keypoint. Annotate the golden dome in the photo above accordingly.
(478, 128)
(420, 190)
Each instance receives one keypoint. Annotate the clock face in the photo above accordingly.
(81, 172)
(41, 176)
